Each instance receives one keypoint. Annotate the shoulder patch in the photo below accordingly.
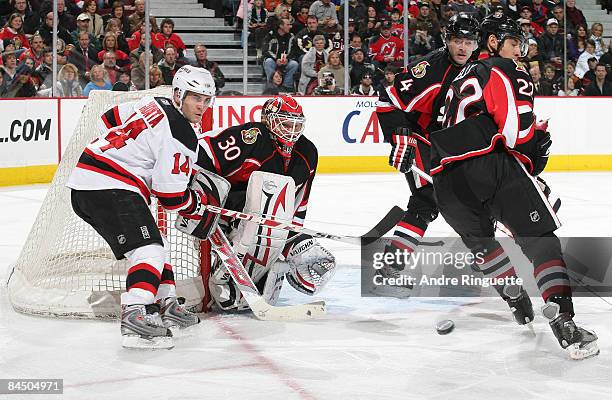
(249, 136)
(419, 70)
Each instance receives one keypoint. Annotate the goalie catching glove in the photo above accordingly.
(311, 266)
(206, 188)
(403, 150)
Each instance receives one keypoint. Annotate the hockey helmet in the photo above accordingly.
(502, 27)
(193, 79)
(284, 117)
(462, 25)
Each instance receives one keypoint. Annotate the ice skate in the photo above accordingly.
(520, 304)
(142, 328)
(393, 282)
(175, 317)
(578, 342)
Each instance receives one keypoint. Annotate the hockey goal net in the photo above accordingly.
(66, 269)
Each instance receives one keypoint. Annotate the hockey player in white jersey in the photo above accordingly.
(148, 148)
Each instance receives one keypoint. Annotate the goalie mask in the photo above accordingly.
(284, 117)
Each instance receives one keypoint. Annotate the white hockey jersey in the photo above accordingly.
(147, 147)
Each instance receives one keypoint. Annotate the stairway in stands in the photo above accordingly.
(593, 12)
(195, 24)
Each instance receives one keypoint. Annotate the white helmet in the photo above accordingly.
(193, 79)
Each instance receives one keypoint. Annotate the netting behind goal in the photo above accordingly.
(65, 268)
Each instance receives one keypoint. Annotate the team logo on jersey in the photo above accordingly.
(520, 67)
(121, 239)
(249, 136)
(535, 216)
(419, 70)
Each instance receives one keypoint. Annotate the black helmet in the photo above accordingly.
(462, 25)
(502, 27)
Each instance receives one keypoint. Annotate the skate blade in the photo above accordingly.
(139, 342)
(586, 351)
(178, 332)
(392, 291)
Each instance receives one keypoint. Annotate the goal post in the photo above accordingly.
(66, 269)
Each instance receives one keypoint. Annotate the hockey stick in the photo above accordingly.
(386, 224)
(261, 309)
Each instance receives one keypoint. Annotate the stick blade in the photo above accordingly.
(299, 312)
(387, 223)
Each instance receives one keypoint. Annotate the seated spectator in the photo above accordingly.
(526, 28)
(136, 39)
(578, 40)
(30, 18)
(312, 63)
(539, 12)
(35, 51)
(590, 76)
(599, 86)
(22, 85)
(574, 16)
(357, 11)
(118, 12)
(359, 66)
(258, 25)
(135, 53)
(137, 17)
(44, 71)
(301, 19)
(540, 88)
(536, 29)
(120, 87)
(303, 39)
(559, 15)
(334, 65)
(98, 81)
(83, 22)
(138, 71)
(110, 67)
(109, 43)
(596, 37)
(8, 67)
(582, 65)
(156, 77)
(327, 85)
(459, 6)
(386, 49)
(388, 79)
(202, 61)
(65, 17)
(355, 43)
(325, 13)
(512, 9)
(551, 44)
(365, 87)
(421, 42)
(46, 31)
(606, 59)
(83, 55)
(167, 35)
(124, 77)
(277, 52)
(96, 25)
(28, 62)
(13, 29)
(282, 12)
(168, 64)
(114, 26)
(275, 85)
(571, 89)
(425, 20)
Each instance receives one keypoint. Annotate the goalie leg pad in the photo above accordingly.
(210, 189)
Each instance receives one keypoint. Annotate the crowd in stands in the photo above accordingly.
(101, 46)
(301, 43)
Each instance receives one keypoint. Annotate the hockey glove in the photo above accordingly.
(543, 142)
(311, 266)
(403, 150)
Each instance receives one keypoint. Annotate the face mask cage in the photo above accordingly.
(287, 128)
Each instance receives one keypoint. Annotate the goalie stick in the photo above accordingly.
(386, 224)
(261, 309)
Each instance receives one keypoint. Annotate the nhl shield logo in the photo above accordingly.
(419, 70)
(249, 136)
(535, 216)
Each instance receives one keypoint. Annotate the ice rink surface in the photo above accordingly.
(364, 348)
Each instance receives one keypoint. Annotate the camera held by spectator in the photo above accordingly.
(327, 86)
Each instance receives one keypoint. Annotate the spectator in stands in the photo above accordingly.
(596, 37)
(334, 65)
(574, 16)
(304, 39)
(553, 78)
(275, 85)
(28, 62)
(44, 71)
(582, 65)
(138, 71)
(202, 61)
(65, 18)
(258, 17)
(599, 86)
(301, 19)
(356, 43)
(426, 20)
(83, 22)
(589, 76)
(109, 43)
(30, 18)
(578, 40)
(312, 62)
(559, 15)
(533, 58)
(35, 51)
(571, 89)
(96, 25)
(83, 55)
(156, 77)
(536, 29)
(136, 39)
(365, 87)
(46, 31)
(325, 13)
(137, 17)
(167, 35)
(118, 12)
(282, 12)
(421, 42)
(388, 79)
(98, 81)
(13, 29)
(462, 6)
(512, 9)
(357, 11)
(606, 59)
(551, 44)
(22, 85)
(526, 28)
(386, 49)
(359, 66)
(135, 53)
(113, 26)
(277, 53)
(111, 68)
(327, 85)
(8, 67)
(168, 64)
(3, 88)
(539, 12)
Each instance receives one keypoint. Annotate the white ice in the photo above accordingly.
(365, 348)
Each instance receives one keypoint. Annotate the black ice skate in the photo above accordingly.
(520, 304)
(578, 342)
(175, 317)
(142, 328)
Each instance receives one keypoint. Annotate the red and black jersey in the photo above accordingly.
(489, 103)
(390, 46)
(236, 152)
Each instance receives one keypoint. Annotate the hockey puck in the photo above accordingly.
(445, 327)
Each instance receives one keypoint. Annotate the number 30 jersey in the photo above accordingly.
(147, 147)
(489, 104)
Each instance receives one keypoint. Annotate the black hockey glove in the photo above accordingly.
(403, 150)
(542, 151)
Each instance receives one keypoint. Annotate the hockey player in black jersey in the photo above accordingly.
(270, 166)
(484, 163)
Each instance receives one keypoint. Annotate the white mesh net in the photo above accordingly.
(65, 268)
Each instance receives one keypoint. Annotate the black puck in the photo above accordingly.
(445, 327)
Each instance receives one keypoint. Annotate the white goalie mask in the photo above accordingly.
(193, 79)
